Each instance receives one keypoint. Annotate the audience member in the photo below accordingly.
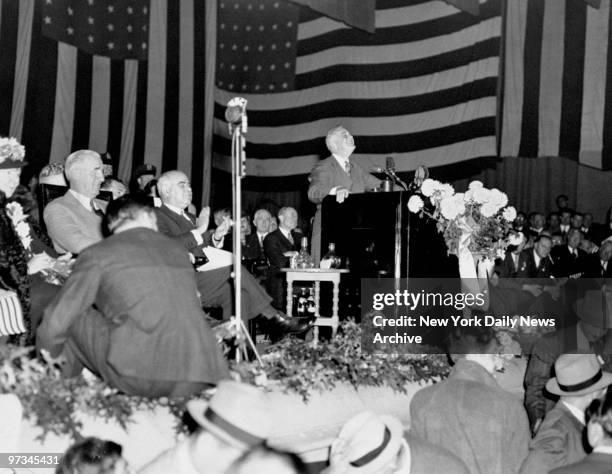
(337, 176)
(214, 285)
(469, 413)
(552, 222)
(559, 439)
(570, 260)
(565, 222)
(599, 434)
(269, 460)
(74, 221)
(142, 175)
(234, 421)
(557, 239)
(140, 330)
(520, 223)
(576, 220)
(276, 245)
(25, 251)
(536, 222)
(370, 444)
(273, 224)
(597, 262)
(93, 456)
(562, 202)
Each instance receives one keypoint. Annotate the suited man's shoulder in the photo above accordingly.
(67, 201)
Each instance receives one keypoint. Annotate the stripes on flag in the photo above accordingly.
(422, 89)
(557, 99)
(57, 99)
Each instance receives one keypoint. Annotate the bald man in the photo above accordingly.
(214, 285)
(74, 220)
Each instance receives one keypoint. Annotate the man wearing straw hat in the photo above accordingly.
(559, 440)
(235, 420)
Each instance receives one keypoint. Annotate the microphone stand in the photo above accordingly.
(238, 130)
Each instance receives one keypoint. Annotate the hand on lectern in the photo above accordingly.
(341, 194)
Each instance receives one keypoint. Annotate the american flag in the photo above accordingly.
(422, 88)
(558, 81)
(118, 29)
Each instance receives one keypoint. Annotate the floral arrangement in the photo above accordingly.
(22, 229)
(296, 366)
(480, 215)
(11, 149)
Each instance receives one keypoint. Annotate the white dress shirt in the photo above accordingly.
(84, 200)
(579, 414)
(198, 237)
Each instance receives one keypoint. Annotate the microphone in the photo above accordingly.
(390, 171)
(235, 113)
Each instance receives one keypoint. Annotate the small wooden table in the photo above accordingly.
(317, 275)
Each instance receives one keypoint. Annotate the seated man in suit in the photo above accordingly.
(336, 175)
(276, 244)
(74, 221)
(254, 244)
(130, 312)
(215, 285)
(559, 440)
(598, 264)
(570, 260)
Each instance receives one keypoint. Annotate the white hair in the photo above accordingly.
(166, 180)
(331, 140)
(284, 210)
(260, 212)
(74, 161)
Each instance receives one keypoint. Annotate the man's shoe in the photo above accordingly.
(287, 325)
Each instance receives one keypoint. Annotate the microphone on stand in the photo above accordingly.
(235, 113)
(390, 171)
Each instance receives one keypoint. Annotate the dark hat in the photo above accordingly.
(145, 168)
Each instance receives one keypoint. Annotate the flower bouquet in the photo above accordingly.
(479, 219)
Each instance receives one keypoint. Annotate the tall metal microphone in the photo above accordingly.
(390, 169)
(235, 113)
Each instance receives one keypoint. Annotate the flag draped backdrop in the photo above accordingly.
(557, 96)
(422, 88)
(131, 77)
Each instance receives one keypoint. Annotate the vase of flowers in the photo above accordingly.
(475, 224)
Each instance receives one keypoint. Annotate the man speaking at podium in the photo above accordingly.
(336, 175)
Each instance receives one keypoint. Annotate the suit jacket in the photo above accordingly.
(474, 418)
(506, 268)
(527, 267)
(252, 250)
(559, 441)
(143, 286)
(326, 175)
(179, 228)
(427, 458)
(275, 245)
(594, 463)
(567, 264)
(540, 367)
(70, 226)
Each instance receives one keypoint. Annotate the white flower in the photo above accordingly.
(509, 214)
(498, 198)
(499, 253)
(475, 185)
(415, 203)
(15, 211)
(468, 195)
(481, 195)
(428, 187)
(449, 208)
(488, 209)
(446, 190)
(11, 148)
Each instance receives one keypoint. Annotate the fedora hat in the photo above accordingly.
(595, 308)
(237, 413)
(372, 441)
(578, 374)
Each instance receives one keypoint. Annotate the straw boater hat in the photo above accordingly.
(578, 374)
(237, 413)
(372, 441)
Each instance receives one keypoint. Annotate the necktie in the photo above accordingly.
(347, 167)
(95, 209)
(186, 216)
(290, 238)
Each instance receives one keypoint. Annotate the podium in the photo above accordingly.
(380, 237)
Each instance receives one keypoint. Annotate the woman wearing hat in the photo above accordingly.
(469, 413)
(25, 252)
